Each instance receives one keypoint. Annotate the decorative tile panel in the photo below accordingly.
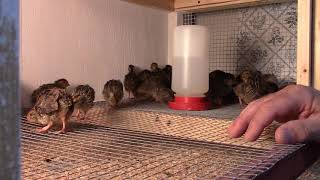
(263, 37)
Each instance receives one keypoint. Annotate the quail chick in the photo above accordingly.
(60, 83)
(143, 76)
(34, 117)
(152, 90)
(167, 75)
(163, 95)
(155, 68)
(113, 92)
(221, 88)
(130, 80)
(270, 83)
(56, 105)
(83, 97)
(253, 85)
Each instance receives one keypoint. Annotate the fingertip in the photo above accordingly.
(237, 128)
(250, 137)
(283, 135)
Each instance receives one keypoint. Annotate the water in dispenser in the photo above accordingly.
(190, 75)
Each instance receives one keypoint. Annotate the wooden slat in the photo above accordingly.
(316, 59)
(304, 56)
(162, 4)
(211, 5)
(191, 3)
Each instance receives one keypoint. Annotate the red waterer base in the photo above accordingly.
(190, 103)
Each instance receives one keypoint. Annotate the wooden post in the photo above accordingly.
(316, 45)
(9, 90)
(304, 56)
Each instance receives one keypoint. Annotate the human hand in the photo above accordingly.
(296, 106)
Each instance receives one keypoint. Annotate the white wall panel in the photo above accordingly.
(87, 41)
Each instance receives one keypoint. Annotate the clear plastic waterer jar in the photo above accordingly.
(190, 74)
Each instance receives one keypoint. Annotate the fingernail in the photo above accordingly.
(286, 136)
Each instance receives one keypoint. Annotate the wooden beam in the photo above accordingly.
(162, 4)
(316, 45)
(211, 5)
(304, 56)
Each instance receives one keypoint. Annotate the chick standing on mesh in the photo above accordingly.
(146, 74)
(55, 105)
(221, 88)
(155, 68)
(113, 92)
(60, 83)
(83, 97)
(34, 117)
(158, 74)
(153, 89)
(130, 80)
(253, 85)
(142, 76)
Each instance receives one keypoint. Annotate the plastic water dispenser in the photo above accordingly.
(190, 73)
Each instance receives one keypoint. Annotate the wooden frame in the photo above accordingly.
(304, 52)
(316, 45)
(308, 48)
(210, 5)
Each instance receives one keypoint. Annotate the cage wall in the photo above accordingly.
(262, 37)
(87, 41)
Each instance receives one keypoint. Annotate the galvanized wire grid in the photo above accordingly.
(135, 144)
(261, 37)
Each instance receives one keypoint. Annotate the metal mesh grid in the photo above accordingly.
(189, 19)
(138, 144)
(263, 37)
(312, 173)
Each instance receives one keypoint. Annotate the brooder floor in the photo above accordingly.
(148, 142)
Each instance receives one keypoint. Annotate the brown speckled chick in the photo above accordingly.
(254, 85)
(60, 83)
(155, 68)
(34, 117)
(131, 80)
(113, 92)
(143, 76)
(56, 105)
(221, 88)
(151, 89)
(83, 97)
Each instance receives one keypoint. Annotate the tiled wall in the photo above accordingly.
(9, 88)
(263, 37)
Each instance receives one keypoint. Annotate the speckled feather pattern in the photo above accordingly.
(55, 102)
(83, 97)
(113, 92)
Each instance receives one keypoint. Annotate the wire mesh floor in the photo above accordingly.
(132, 143)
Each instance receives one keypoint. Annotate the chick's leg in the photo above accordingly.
(46, 128)
(64, 125)
(241, 103)
(83, 114)
(78, 113)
